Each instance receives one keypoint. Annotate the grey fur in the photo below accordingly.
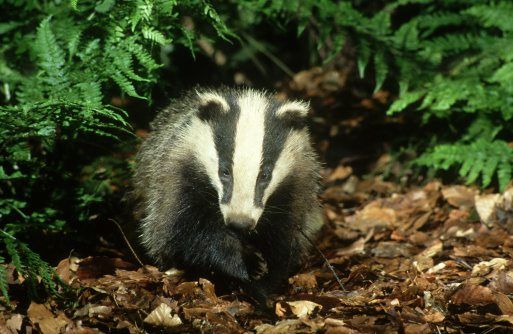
(158, 182)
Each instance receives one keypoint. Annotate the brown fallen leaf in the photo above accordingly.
(486, 207)
(502, 282)
(357, 247)
(291, 326)
(485, 267)
(473, 318)
(161, 317)
(372, 216)
(417, 329)
(40, 316)
(475, 295)
(303, 308)
(504, 303)
(208, 289)
(94, 267)
(67, 269)
(341, 330)
(505, 318)
(424, 260)
(434, 316)
(280, 310)
(390, 249)
(101, 311)
(340, 173)
(14, 323)
(459, 196)
(306, 281)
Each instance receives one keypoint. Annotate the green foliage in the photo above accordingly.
(61, 63)
(478, 158)
(465, 79)
(450, 60)
(31, 267)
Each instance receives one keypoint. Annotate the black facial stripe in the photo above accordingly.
(210, 110)
(224, 125)
(274, 138)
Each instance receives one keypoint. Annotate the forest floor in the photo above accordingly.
(409, 257)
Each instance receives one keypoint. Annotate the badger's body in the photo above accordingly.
(227, 183)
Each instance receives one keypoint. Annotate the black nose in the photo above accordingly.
(240, 223)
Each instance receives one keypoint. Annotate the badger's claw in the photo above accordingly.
(257, 268)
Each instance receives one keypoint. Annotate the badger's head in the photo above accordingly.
(247, 143)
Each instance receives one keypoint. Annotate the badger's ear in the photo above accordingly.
(210, 105)
(294, 113)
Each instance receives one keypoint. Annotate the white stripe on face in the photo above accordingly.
(292, 149)
(201, 140)
(207, 97)
(299, 107)
(247, 156)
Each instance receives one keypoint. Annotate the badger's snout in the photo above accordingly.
(241, 223)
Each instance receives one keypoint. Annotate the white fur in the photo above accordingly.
(207, 97)
(290, 154)
(247, 156)
(201, 141)
(293, 106)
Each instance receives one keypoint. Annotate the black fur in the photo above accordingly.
(183, 225)
(201, 241)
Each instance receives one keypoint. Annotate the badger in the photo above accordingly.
(227, 183)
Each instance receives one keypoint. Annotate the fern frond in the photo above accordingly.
(430, 23)
(218, 23)
(142, 11)
(362, 58)
(122, 60)
(4, 287)
(479, 158)
(105, 6)
(91, 94)
(125, 84)
(50, 55)
(450, 44)
(404, 100)
(143, 56)
(504, 172)
(381, 68)
(154, 35)
(494, 14)
(166, 6)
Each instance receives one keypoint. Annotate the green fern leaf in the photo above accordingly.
(490, 167)
(466, 164)
(404, 101)
(479, 158)
(125, 85)
(363, 58)
(494, 14)
(155, 36)
(143, 56)
(166, 6)
(91, 94)
(51, 56)
(105, 6)
(504, 172)
(477, 168)
(381, 69)
(3, 281)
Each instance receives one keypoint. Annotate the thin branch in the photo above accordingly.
(127, 242)
(324, 258)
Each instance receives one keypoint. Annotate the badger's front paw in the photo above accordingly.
(257, 265)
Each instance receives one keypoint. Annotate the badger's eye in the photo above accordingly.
(224, 173)
(265, 176)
